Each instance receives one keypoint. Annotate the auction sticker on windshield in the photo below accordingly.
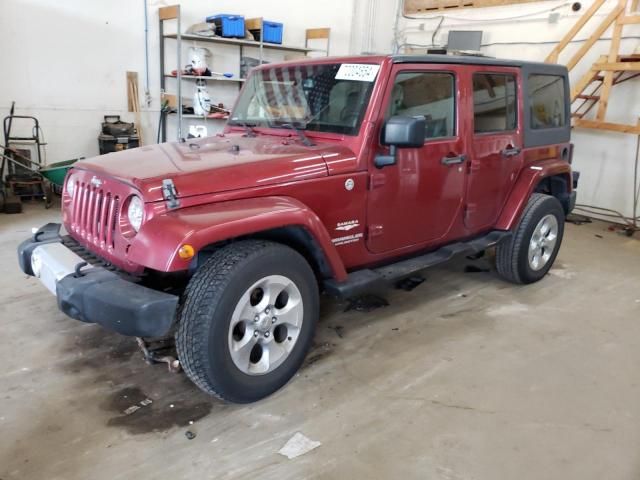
(361, 72)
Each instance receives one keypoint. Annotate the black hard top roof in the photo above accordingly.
(474, 60)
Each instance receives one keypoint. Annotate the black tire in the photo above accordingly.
(512, 260)
(208, 304)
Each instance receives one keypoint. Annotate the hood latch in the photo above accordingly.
(169, 194)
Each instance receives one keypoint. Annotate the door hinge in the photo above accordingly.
(377, 180)
(170, 194)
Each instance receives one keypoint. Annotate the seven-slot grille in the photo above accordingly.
(94, 214)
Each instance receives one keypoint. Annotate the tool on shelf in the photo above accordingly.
(201, 99)
(220, 74)
(189, 72)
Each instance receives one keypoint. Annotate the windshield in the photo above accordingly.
(323, 98)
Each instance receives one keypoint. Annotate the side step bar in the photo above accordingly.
(366, 279)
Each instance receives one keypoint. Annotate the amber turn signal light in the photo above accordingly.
(186, 252)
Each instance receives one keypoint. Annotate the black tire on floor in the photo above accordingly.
(512, 260)
(202, 338)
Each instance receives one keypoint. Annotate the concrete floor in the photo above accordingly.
(465, 377)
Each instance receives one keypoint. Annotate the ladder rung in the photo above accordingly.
(634, 57)
(595, 98)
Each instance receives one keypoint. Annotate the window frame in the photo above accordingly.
(536, 137)
(530, 94)
(516, 102)
(356, 130)
(456, 103)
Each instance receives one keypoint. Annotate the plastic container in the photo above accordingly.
(228, 25)
(272, 32)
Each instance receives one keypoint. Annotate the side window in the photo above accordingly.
(546, 97)
(494, 102)
(426, 93)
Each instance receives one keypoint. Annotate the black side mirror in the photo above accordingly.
(401, 132)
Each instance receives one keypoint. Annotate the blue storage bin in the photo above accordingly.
(228, 25)
(272, 32)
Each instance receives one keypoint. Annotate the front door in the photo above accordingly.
(417, 200)
(495, 152)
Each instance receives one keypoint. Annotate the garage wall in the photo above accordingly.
(64, 61)
(524, 31)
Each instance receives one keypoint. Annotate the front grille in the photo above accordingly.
(96, 260)
(95, 214)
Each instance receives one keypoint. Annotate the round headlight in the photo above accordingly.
(134, 212)
(70, 186)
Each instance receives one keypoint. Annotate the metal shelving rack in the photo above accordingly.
(172, 12)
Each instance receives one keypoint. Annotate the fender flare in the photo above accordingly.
(157, 243)
(525, 186)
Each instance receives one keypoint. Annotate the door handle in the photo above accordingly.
(453, 159)
(510, 151)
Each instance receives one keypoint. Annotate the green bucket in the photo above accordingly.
(56, 172)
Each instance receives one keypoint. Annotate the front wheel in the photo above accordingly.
(529, 254)
(247, 320)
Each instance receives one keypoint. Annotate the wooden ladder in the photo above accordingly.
(594, 88)
(583, 102)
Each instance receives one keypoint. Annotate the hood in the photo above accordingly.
(216, 164)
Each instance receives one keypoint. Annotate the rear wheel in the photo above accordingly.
(529, 254)
(247, 320)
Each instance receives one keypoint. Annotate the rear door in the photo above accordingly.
(496, 144)
(419, 199)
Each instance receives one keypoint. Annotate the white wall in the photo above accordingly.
(65, 62)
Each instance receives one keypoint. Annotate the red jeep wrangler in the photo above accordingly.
(333, 175)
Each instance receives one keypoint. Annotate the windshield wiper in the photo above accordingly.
(303, 138)
(250, 132)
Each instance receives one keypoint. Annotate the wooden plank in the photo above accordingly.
(133, 99)
(586, 79)
(553, 56)
(618, 67)
(613, 56)
(612, 127)
(317, 33)
(430, 6)
(595, 36)
(169, 13)
(630, 20)
(132, 79)
(253, 23)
